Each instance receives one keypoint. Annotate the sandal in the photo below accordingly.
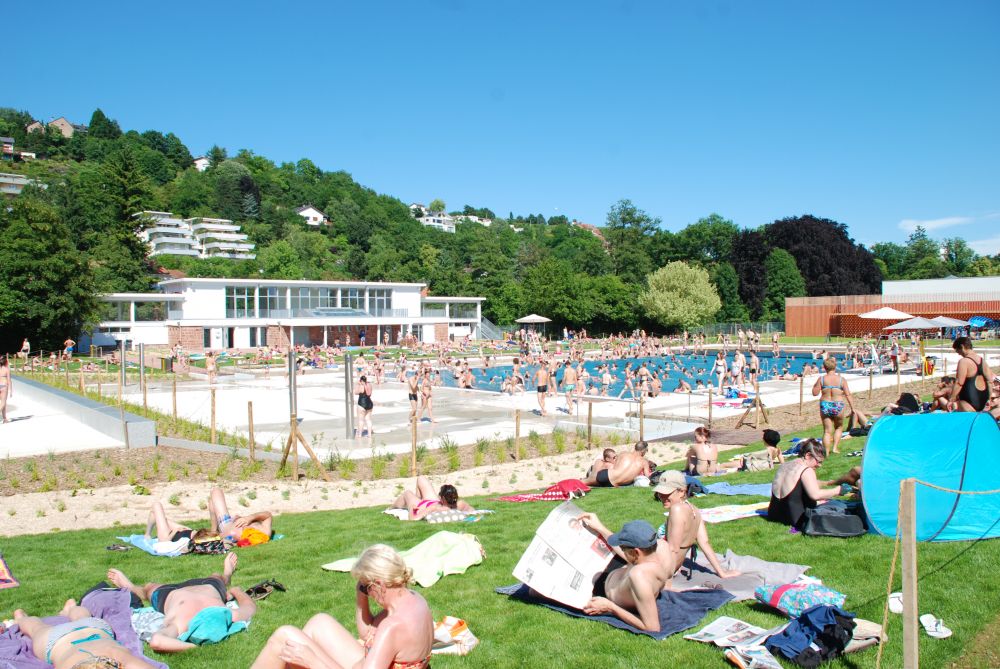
(934, 626)
(896, 602)
(264, 588)
(119, 547)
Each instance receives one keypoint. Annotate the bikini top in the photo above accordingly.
(839, 386)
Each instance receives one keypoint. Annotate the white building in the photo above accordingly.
(13, 184)
(199, 237)
(312, 215)
(433, 219)
(245, 313)
(201, 163)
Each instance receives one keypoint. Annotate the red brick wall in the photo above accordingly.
(190, 338)
(440, 332)
(277, 335)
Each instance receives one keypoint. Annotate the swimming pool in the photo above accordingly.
(669, 368)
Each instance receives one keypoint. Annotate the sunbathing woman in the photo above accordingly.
(234, 528)
(167, 530)
(834, 394)
(426, 501)
(84, 642)
(703, 456)
(684, 527)
(795, 487)
(398, 637)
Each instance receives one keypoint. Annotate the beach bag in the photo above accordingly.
(757, 462)
(833, 521)
(209, 546)
(793, 599)
(452, 636)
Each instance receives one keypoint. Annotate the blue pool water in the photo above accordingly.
(669, 369)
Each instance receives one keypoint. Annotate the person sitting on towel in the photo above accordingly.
(425, 501)
(195, 610)
(684, 527)
(85, 642)
(255, 526)
(795, 487)
(629, 586)
(606, 461)
(625, 469)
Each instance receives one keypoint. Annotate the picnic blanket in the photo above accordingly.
(110, 605)
(678, 611)
(755, 573)
(755, 489)
(727, 512)
(441, 554)
(7, 579)
(554, 496)
(449, 516)
(158, 548)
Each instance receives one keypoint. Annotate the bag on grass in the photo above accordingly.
(832, 520)
(209, 546)
(452, 636)
(793, 599)
(757, 462)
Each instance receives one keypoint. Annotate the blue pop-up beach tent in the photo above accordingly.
(959, 451)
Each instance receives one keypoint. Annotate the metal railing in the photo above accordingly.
(489, 330)
(760, 327)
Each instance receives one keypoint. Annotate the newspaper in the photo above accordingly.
(743, 641)
(563, 558)
(752, 657)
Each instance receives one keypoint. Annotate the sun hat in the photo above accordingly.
(634, 534)
(670, 481)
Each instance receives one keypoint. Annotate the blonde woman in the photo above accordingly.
(398, 637)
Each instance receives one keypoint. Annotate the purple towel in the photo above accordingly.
(111, 605)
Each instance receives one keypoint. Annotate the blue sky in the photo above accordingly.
(879, 115)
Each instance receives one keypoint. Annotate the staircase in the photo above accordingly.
(489, 330)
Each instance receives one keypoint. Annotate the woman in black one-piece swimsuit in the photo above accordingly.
(971, 392)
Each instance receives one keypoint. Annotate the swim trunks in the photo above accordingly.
(158, 598)
(603, 479)
(829, 409)
(569, 387)
(413, 397)
(543, 389)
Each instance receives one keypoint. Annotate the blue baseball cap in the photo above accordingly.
(634, 534)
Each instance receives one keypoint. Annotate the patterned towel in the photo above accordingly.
(555, 496)
(727, 512)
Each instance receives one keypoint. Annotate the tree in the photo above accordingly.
(46, 288)
(680, 296)
(436, 205)
(279, 261)
(727, 284)
(923, 256)
(958, 256)
(830, 261)
(232, 182)
(750, 251)
(626, 232)
(783, 280)
(216, 156)
(102, 127)
(707, 240)
(892, 258)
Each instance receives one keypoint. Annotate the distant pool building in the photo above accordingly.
(247, 313)
(838, 315)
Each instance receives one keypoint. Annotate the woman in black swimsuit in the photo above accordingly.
(795, 487)
(971, 391)
(365, 406)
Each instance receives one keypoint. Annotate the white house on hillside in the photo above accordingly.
(201, 163)
(312, 215)
(198, 237)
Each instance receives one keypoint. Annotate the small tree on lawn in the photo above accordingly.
(680, 296)
(783, 280)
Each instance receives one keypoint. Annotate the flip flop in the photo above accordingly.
(934, 626)
(119, 547)
(896, 602)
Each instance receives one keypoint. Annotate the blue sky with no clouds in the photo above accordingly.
(878, 115)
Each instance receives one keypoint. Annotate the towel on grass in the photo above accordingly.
(158, 548)
(727, 512)
(7, 579)
(678, 611)
(755, 572)
(110, 605)
(755, 489)
(449, 516)
(441, 554)
(554, 496)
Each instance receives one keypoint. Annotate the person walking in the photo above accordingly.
(6, 386)
(834, 394)
(365, 406)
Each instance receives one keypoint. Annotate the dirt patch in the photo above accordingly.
(984, 651)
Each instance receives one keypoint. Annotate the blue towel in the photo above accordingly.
(145, 543)
(755, 489)
(679, 611)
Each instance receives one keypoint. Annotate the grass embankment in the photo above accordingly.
(957, 581)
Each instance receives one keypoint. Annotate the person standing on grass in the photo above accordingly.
(6, 386)
(68, 349)
(835, 393)
(971, 391)
(398, 637)
(25, 349)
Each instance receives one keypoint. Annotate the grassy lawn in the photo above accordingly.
(957, 581)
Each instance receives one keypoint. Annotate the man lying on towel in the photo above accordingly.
(195, 610)
(626, 467)
(628, 587)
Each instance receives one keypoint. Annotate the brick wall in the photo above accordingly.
(440, 332)
(190, 338)
(277, 335)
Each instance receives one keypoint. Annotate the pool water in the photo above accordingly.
(669, 368)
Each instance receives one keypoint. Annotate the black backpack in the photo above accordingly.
(834, 521)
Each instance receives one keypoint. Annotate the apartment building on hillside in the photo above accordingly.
(198, 237)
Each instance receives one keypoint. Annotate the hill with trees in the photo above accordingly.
(96, 180)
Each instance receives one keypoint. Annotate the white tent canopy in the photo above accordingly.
(534, 318)
(917, 323)
(946, 322)
(886, 314)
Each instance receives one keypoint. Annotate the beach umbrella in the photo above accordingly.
(917, 323)
(886, 314)
(946, 322)
(534, 318)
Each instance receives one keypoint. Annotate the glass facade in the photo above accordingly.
(150, 311)
(313, 298)
(462, 310)
(270, 299)
(352, 298)
(379, 300)
(239, 301)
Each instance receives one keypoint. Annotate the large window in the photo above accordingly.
(313, 298)
(269, 300)
(113, 311)
(353, 298)
(239, 302)
(379, 300)
(463, 310)
(150, 311)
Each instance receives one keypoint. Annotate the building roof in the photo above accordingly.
(309, 206)
(291, 283)
(7, 140)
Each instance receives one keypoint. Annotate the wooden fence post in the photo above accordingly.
(642, 421)
(590, 424)
(710, 407)
(897, 377)
(908, 522)
(802, 391)
(413, 444)
(871, 382)
(174, 398)
(253, 443)
(517, 435)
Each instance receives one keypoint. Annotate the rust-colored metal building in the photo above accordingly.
(838, 315)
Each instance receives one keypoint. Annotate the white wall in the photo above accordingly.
(973, 284)
(407, 297)
(205, 302)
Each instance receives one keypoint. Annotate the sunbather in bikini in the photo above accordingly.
(234, 528)
(84, 642)
(425, 501)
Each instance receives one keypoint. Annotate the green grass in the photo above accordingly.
(957, 581)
